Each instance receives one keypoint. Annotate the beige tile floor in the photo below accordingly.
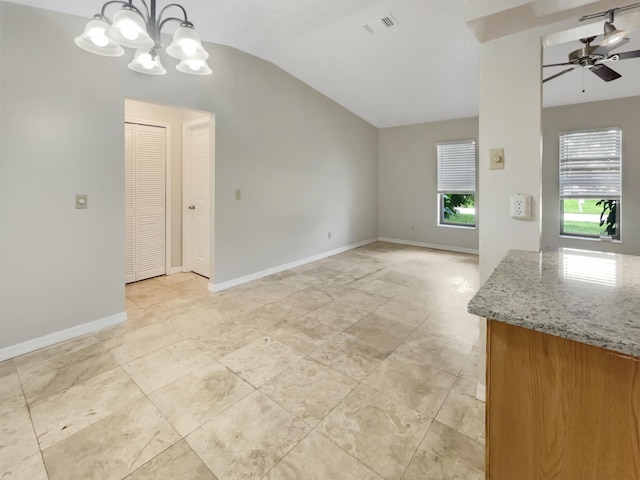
(358, 366)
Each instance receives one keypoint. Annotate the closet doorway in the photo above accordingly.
(145, 192)
(169, 169)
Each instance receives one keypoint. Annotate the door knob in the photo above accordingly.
(192, 207)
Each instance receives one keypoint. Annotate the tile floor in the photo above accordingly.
(358, 366)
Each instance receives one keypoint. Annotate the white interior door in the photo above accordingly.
(196, 161)
(145, 209)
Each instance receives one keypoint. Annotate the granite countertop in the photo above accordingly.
(589, 297)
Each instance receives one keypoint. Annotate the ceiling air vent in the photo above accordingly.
(380, 24)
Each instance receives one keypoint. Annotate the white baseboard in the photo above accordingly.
(481, 393)
(57, 337)
(429, 245)
(174, 270)
(218, 287)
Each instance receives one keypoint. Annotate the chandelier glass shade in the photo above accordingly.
(186, 45)
(138, 26)
(194, 67)
(147, 61)
(95, 40)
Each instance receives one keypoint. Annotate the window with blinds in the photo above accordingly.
(591, 182)
(456, 173)
(590, 164)
(457, 167)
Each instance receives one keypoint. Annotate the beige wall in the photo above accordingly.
(306, 166)
(624, 113)
(408, 205)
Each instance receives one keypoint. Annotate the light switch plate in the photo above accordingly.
(496, 158)
(238, 194)
(81, 201)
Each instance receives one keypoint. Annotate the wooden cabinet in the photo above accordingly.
(559, 409)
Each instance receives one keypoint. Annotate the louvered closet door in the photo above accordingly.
(147, 226)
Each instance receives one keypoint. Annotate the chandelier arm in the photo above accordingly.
(104, 7)
(174, 19)
(129, 3)
(146, 7)
(184, 12)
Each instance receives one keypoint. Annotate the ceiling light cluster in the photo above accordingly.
(140, 28)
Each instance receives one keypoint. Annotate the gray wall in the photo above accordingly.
(408, 176)
(306, 166)
(408, 187)
(624, 113)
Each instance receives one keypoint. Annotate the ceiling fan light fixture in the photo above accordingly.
(612, 35)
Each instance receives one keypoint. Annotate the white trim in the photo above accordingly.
(481, 393)
(57, 337)
(429, 245)
(218, 287)
(212, 200)
(167, 187)
(175, 270)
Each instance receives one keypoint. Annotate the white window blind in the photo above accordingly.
(457, 167)
(590, 164)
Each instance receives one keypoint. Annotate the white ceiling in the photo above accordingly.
(425, 69)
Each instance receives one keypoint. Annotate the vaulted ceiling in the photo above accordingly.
(425, 68)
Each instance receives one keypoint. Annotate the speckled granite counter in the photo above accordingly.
(588, 297)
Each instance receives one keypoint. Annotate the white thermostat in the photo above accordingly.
(520, 206)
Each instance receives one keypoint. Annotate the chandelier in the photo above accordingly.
(140, 28)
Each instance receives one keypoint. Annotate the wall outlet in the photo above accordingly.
(329, 235)
(238, 194)
(520, 206)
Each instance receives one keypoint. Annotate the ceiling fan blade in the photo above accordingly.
(605, 73)
(558, 74)
(625, 55)
(605, 49)
(558, 64)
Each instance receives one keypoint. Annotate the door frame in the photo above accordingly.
(167, 187)
(187, 128)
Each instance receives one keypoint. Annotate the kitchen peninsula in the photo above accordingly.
(563, 366)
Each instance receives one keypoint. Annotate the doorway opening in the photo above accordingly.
(169, 171)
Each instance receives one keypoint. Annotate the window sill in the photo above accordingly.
(463, 227)
(589, 239)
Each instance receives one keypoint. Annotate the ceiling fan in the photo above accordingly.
(592, 57)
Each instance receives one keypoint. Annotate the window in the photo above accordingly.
(457, 183)
(590, 183)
